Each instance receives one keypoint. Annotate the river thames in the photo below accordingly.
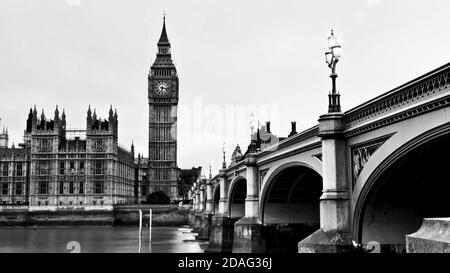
(98, 239)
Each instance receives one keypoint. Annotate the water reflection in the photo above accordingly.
(98, 240)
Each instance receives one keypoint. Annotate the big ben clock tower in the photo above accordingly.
(163, 101)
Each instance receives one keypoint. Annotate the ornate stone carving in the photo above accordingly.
(262, 174)
(237, 155)
(362, 154)
(318, 156)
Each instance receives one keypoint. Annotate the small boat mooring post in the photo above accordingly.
(150, 227)
(140, 229)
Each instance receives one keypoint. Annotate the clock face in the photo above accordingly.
(162, 88)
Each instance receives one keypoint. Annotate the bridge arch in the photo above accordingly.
(290, 205)
(236, 197)
(402, 183)
(312, 163)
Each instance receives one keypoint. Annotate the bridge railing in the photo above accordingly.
(421, 88)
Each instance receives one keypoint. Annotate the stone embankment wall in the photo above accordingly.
(162, 215)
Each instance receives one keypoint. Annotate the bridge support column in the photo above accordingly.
(198, 210)
(205, 225)
(195, 202)
(191, 219)
(247, 231)
(334, 233)
(221, 237)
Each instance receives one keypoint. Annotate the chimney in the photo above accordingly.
(293, 129)
(268, 127)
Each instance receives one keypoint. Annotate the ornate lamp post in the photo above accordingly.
(332, 57)
(252, 123)
(254, 127)
(224, 163)
(335, 200)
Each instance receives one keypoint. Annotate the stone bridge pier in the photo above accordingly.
(198, 208)
(247, 231)
(221, 236)
(334, 233)
(206, 214)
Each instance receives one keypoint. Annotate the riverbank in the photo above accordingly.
(162, 215)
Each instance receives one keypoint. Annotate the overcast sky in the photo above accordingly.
(232, 57)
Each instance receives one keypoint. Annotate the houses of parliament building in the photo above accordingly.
(59, 166)
(56, 166)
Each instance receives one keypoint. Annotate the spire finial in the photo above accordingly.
(164, 16)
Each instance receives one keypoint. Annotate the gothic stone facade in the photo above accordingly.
(142, 176)
(14, 175)
(60, 167)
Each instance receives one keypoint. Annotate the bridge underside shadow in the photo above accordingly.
(291, 208)
(237, 200)
(414, 187)
(216, 199)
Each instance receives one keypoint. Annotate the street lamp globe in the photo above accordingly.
(332, 40)
(251, 123)
(337, 51)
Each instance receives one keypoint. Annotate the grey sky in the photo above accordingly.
(263, 53)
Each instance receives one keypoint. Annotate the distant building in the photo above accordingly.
(4, 138)
(14, 175)
(142, 177)
(56, 166)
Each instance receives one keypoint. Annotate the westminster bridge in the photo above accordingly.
(370, 174)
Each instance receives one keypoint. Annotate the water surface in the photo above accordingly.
(99, 239)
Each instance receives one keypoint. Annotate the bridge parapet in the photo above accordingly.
(289, 142)
(419, 90)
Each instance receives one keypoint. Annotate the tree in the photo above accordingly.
(158, 197)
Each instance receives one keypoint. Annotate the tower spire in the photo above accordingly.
(163, 39)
